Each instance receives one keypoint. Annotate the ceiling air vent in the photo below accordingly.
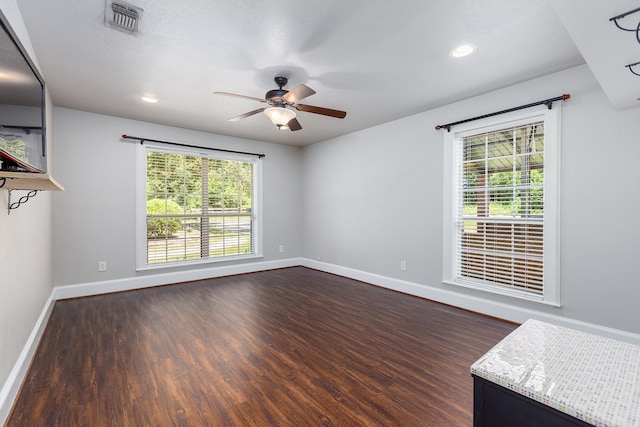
(122, 16)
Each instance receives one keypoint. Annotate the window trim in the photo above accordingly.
(551, 222)
(141, 206)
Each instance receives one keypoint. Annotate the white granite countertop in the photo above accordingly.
(589, 377)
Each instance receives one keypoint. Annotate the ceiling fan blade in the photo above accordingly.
(297, 93)
(294, 124)
(235, 95)
(320, 110)
(245, 115)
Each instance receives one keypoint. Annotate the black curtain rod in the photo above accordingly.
(124, 136)
(548, 102)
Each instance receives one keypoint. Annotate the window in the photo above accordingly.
(196, 207)
(501, 206)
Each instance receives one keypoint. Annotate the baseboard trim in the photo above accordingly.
(150, 280)
(472, 303)
(12, 385)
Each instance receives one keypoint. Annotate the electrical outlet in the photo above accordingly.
(102, 265)
(281, 248)
(403, 265)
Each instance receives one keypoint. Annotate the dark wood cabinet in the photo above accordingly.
(496, 406)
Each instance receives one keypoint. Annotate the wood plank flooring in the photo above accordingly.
(289, 347)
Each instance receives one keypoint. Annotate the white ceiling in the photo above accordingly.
(606, 48)
(376, 59)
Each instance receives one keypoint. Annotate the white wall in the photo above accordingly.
(94, 219)
(25, 250)
(374, 198)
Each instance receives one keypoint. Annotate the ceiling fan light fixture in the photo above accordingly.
(280, 116)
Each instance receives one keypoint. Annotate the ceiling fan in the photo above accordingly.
(279, 100)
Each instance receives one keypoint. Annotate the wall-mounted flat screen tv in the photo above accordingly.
(22, 112)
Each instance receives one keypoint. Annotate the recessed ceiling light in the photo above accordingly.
(463, 50)
(149, 99)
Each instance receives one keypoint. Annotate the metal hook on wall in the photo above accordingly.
(623, 15)
(630, 67)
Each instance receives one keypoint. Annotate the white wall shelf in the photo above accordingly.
(33, 182)
(28, 181)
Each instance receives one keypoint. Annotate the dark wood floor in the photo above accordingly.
(290, 347)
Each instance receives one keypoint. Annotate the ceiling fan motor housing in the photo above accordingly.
(274, 97)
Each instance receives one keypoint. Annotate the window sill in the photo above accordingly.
(493, 289)
(199, 262)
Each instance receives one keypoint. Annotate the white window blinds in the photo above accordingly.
(198, 207)
(500, 208)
